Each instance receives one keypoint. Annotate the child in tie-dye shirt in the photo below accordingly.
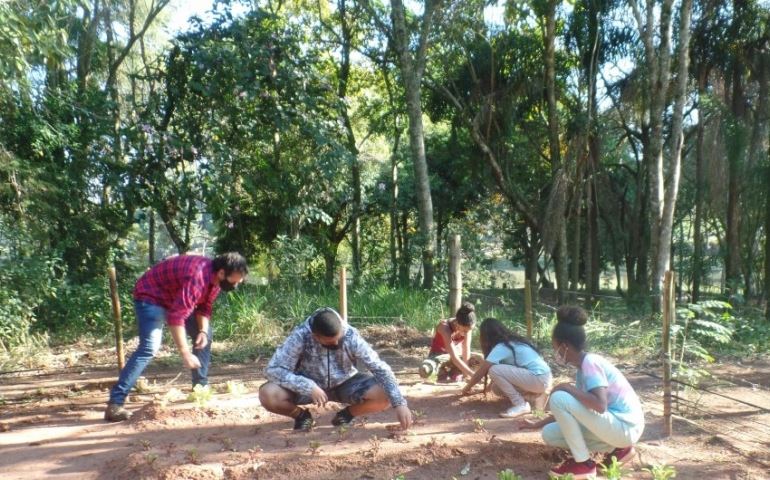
(601, 412)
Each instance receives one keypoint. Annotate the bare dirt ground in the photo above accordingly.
(51, 427)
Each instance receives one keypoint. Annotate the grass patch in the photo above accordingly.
(251, 321)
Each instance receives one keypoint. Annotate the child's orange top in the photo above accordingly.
(437, 346)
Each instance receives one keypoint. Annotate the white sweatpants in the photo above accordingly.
(515, 382)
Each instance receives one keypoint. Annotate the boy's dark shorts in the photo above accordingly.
(350, 392)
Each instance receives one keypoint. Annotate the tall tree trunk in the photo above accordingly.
(531, 249)
(406, 256)
(394, 203)
(658, 60)
(151, 239)
(412, 68)
(736, 149)
(395, 241)
(700, 185)
(177, 237)
(593, 261)
(355, 167)
(765, 66)
(330, 260)
(677, 139)
(554, 145)
(577, 243)
(590, 233)
(757, 148)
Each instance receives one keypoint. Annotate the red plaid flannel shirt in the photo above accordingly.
(181, 285)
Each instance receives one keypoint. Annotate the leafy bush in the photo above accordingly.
(292, 258)
(28, 283)
(86, 309)
(700, 326)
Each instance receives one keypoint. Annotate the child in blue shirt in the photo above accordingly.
(600, 412)
(516, 368)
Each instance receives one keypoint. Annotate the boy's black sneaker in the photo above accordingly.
(343, 417)
(304, 421)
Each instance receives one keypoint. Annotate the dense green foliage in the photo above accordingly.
(287, 131)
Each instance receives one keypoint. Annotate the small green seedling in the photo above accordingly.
(236, 388)
(375, 443)
(508, 474)
(613, 471)
(342, 433)
(539, 414)
(314, 447)
(400, 476)
(478, 425)
(418, 417)
(145, 443)
(151, 458)
(142, 385)
(661, 472)
(566, 476)
(201, 395)
(193, 456)
(227, 445)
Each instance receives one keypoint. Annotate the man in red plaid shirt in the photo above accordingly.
(179, 291)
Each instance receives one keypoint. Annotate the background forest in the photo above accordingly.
(585, 146)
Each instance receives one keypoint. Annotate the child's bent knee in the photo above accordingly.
(551, 434)
(560, 399)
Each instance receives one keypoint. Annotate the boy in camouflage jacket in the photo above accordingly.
(316, 364)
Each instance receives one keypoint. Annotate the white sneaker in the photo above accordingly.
(516, 410)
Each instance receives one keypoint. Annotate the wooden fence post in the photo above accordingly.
(343, 294)
(668, 319)
(528, 306)
(455, 276)
(116, 318)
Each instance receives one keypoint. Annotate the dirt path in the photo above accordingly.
(58, 432)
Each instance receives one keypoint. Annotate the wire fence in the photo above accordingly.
(745, 431)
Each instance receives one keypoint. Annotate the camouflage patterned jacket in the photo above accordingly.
(301, 363)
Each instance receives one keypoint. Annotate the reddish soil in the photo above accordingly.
(51, 427)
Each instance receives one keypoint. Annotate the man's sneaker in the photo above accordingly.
(304, 421)
(116, 413)
(579, 471)
(516, 411)
(622, 456)
(343, 417)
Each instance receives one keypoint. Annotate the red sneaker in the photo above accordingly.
(622, 456)
(579, 471)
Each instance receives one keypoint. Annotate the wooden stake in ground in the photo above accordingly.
(668, 319)
(455, 276)
(528, 306)
(343, 294)
(117, 319)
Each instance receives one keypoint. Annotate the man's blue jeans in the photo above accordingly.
(150, 319)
